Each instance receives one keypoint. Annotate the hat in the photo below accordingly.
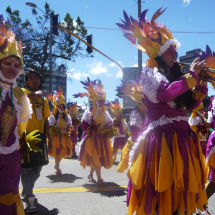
(58, 97)
(153, 37)
(73, 108)
(8, 45)
(95, 91)
(115, 107)
(208, 56)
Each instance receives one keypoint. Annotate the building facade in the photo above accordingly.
(188, 58)
(58, 80)
(130, 73)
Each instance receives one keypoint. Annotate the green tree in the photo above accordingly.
(37, 40)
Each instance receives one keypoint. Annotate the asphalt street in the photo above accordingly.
(71, 193)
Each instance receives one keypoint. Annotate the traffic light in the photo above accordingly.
(90, 41)
(54, 22)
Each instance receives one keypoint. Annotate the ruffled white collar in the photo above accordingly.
(11, 81)
(201, 114)
(7, 86)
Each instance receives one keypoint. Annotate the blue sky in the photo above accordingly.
(180, 15)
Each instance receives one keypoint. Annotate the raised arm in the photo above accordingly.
(199, 94)
(168, 92)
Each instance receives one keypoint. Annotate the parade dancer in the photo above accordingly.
(95, 146)
(60, 129)
(209, 58)
(121, 136)
(136, 118)
(15, 110)
(73, 108)
(199, 125)
(167, 168)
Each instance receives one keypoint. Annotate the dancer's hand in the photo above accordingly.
(50, 144)
(197, 66)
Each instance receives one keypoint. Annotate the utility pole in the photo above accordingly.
(139, 52)
(50, 59)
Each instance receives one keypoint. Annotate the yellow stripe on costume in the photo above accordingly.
(197, 95)
(191, 82)
(169, 171)
(9, 198)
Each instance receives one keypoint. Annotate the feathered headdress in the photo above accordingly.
(135, 92)
(95, 91)
(58, 97)
(8, 45)
(115, 107)
(209, 58)
(73, 108)
(153, 38)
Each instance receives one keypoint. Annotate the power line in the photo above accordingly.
(115, 29)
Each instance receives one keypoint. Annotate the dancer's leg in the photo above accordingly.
(92, 170)
(57, 164)
(98, 173)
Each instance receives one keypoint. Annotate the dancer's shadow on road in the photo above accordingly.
(112, 189)
(41, 210)
(116, 163)
(67, 178)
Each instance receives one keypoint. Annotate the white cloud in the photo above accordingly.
(119, 74)
(97, 68)
(64, 24)
(190, 19)
(79, 75)
(186, 3)
(69, 72)
(114, 65)
(109, 75)
(75, 24)
(86, 7)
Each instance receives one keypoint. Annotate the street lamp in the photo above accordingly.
(31, 4)
(50, 53)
